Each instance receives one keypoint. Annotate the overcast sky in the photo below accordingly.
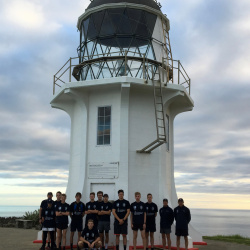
(212, 143)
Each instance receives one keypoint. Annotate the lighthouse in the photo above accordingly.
(122, 93)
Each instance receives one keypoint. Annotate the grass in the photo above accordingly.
(230, 238)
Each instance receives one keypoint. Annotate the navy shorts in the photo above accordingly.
(120, 229)
(150, 228)
(136, 227)
(61, 225)
(76, 225)
(165, 230)
(181, 232)
(103, 226)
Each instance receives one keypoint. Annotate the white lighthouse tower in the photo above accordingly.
(122, 94)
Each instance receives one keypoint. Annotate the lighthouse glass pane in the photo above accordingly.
(104, 125)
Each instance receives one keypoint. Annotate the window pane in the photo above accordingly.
(100, 140)
(101, 120)
(107, 111)
(100, 130)
(107, 130)
(106, 139)
(107, 120)
(101, 111)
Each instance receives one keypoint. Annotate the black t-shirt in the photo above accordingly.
(104, 207)
(182, 217)
(91, 206)
(90, 235)
(138, 209)
(121, 207)
(63, 207)
(151, 209)
(77, 210)
(49, 216)
(167, 217)
(55, 204)
(44, 204)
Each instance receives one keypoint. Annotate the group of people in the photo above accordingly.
(54, 219)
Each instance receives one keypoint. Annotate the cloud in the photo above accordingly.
(211, 38)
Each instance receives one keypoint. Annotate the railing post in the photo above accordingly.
(54, 82)
(70, 69)
(189, 86)
(126, 62)
(144, 73)
(178, 71)
(162, 66)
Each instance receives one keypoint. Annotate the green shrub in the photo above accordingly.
(34, 216)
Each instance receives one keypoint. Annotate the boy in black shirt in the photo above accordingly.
(77, 210)
(62, 213)
(167, 219)
(43, 205)
(48, 219)
(104, 212)
(90, 237)
(151, 213)
(121, 210)
(91, 210)
(138, 219)
(182, 217)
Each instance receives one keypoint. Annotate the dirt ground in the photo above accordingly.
(22, 239)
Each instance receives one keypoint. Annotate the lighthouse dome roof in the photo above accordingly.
(149, 3)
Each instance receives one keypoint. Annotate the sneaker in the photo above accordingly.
(42, 248)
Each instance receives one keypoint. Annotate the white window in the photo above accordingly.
(104, 125)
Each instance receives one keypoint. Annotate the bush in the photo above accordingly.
(34, 216)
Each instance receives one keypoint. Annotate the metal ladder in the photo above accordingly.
(159, 117)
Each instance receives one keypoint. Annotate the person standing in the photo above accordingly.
(138, 219)
(104, 212)
(167, 219)
(121, 210)
(182, 217)
(62, 213)
(43, 206)
(48, 219)
(77, 209)
(91, 210)
(151, 213)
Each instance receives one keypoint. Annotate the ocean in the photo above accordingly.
(208, 221)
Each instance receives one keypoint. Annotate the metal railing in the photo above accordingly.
(127, 64)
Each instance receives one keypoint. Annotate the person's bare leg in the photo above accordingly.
(118, 239)
(79, 235)
(186, 242)
(72, 237)
(58, 237)
(178, 238)
(64, 237)
(48, 239)
(169, 241)
(146, 236)
(134, 239)
(143, 239)
(163, 241)
(152, 240)
(102, 238)
(124, 239)
(106, 239)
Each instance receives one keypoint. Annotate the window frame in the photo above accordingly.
(97, 125)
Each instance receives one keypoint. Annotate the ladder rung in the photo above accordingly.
(160, 127)
(159, 111)
(159, 96)
(159, 103)
(159, 119)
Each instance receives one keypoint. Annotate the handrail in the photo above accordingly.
(161, 68)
